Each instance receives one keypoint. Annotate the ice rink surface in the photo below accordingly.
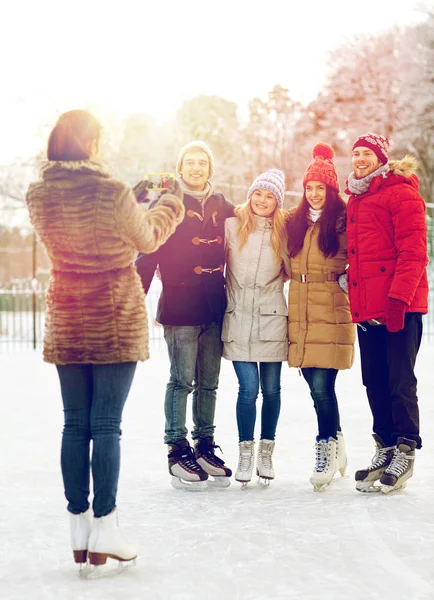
(282, 542)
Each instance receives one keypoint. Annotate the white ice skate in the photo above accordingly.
(325, 463)
(79, 528)
(245, 462)
(341, 455)
(107, 541)
(264, 463)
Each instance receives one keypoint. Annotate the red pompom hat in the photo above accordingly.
(322, 168)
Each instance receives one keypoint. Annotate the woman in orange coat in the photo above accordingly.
(321, 333)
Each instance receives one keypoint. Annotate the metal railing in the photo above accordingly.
(22, 312)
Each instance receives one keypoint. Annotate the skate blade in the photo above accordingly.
(97, 571)
(367, 487)
(264, 481)
(218, 482)
(190, 486)
(389, 490)
(320, 487)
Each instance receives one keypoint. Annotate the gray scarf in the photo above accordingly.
(360, 186)
(201, 196)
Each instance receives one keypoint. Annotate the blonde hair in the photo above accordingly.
(278, 238)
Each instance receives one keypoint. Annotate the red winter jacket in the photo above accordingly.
(387, 248)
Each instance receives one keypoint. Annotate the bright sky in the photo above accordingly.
(119, 57)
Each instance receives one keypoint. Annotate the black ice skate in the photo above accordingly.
(394, 478)
(365, 478)
(186, 472)
(212, 464)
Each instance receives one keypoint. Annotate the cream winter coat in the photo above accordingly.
(255, 323)
(92, 228)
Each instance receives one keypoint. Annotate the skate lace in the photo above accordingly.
(245, 460)
(210, 456)
(265, 456)
(399, 463)
(381, 457)
(187, 459)
(321, 450)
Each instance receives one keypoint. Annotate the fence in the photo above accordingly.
(22, 311)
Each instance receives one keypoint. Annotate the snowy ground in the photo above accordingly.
(285, 542)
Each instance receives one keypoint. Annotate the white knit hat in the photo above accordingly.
(191, 147)
(273, 181)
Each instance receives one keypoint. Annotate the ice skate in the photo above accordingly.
(107, 541)
(394, 479)
(245, 462)
(325, 463)
(264, 462)
(341, 455)
(186, 473)
(79, 528)
(212, 464)
(366, 478)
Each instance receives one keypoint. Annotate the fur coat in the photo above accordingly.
(92, 228)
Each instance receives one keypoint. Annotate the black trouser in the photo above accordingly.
(388, 361)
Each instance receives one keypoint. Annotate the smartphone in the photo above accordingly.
(159, 181)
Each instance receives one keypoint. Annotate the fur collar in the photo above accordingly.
(57, 167)
(406, 167)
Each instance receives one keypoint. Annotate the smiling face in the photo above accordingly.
(316, 193)
(263, 203)
(364, 162)
(195, 170)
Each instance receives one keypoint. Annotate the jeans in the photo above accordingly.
(322, 389)
(93, 400)
(388, 361)
(195, 358)
(249, 378)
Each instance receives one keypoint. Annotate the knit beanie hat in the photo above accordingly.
(375, 142)
(322, 168)
(194, 146)
(273, 181)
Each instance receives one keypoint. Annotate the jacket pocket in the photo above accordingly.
(376, 281)
(229, 323)
(273, 323)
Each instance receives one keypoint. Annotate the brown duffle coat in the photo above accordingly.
(321, 332)
(92, 228)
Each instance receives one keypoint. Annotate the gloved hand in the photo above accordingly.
(395, 313)
(343, 282)
(175, 189)
(141, 191)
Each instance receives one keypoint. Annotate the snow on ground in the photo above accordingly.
(284, 542)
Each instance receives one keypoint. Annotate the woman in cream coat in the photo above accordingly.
(255, 323)
(321, 333)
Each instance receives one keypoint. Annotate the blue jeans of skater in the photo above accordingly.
(93, 399)
(195, 359)
(249, 379)
(322, 389)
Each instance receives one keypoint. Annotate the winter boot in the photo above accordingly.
(245, 462)
(79, 528)
(400, 468)
(341, 455)
(264, 463)
(185, 471)
(107, 541)
(210, 463)
(325, 462)
(365, 478)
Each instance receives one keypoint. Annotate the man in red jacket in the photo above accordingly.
(388, 290)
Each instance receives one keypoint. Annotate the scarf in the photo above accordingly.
(201, 196)
(314, 214)
(360, 186)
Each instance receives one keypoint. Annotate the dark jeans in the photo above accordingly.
(93, 400)
(388, 361)
(249, 378)
(195, 356)
(322, 389)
